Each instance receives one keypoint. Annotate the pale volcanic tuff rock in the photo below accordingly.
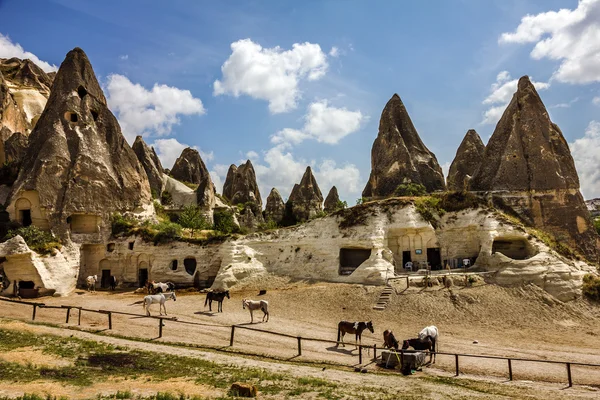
(399, 156)
(332, 200)
(306, 200)
(78, 161)
(151, 164)
(468, 158)
(529, 170)
(275, 207)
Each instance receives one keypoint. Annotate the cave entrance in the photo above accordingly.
(143, 276)
(515, 248)
(25, 217)
(105, 282)
(350, 259)
(190, 265)
(434, 258)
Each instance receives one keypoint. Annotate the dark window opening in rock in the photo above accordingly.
(95, 115)
(69, 219)
(190, 265)
(71, 116)
(26, 285)
(142, 276)
(174, 265)
(350, 259)
(434, 258)
(81, 92)
(25, 217)
(515, 248)
(105, 280)
(131, 245)
(110, 247)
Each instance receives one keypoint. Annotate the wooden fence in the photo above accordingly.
(299, 339)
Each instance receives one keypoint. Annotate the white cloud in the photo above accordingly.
(322, 123)
(334, 52)
(168, 150)
(124, 57)
(270, 74)
(566, 105)
(217, 181)
(596, 100)
(501, 92)
(446, 168)
(252, 155)
(570, 36)
(146, 112)
(586, 153)
(8, 49)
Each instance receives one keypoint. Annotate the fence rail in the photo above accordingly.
(299, 339)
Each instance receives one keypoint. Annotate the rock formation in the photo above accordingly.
(275, 208)
(529, 170)
(332, 200)
(189, 167)
(306, 200)
(78, 169)
(399, 156)
(15, 147)
(241, 188)
(465, 163)
(151, 164)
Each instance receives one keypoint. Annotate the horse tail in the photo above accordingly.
(339, 332)
(206, 300)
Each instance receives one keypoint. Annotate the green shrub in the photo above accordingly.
(40, 241)
(410, 189)
(267, 225)
(166, 198)
(361, 200)
(430, 209)
(224, 222)
(597, 225)
(192, 186)
(340, 205)
(591, 287)
(121, 224)
(458, 201)
(193, 218)
(166, 232)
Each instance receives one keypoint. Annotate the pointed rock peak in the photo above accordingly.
(241, 186)
(466, 162)
(189, 167)
(524, 83)
(275, 208)
(472, 136)
(332, 200)
(76, 75)
(306, 200)
(274, 194)
(151, 164)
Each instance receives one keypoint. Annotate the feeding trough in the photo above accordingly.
(410, 360)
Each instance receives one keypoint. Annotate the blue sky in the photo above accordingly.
(304, 83)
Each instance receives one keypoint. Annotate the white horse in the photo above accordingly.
(252, 305)
(158, 298)
(432, 332)
(91, 282)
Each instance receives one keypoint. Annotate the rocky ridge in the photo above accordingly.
(151, 164)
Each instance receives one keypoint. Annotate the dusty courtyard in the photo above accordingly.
(521, 322)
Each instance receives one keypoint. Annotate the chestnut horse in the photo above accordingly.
(353, 327)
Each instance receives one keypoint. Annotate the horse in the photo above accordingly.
(432, 332)
(91, 282)
(112, 282)
(158, 298)
(159, 287)
(420, 344)
(252, 305)
(353, 327)
(218, 297)
(389, 340)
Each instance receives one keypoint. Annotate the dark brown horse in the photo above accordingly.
(218, 297)
(421, 344)
(353, 327)
(389, 340)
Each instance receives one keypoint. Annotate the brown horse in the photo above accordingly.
(389, 340)
(421, 344)
(353, 327)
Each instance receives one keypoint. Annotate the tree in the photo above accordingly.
(193, 218)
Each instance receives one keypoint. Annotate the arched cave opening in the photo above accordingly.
(81, 92)
(190, 265)
(350, 259)
(513, 247)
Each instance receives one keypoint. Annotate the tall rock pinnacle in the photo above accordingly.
(306, 200)
(275, 207)
(332, 200)
(189, 167)
(151, 164)
(468, 158)
(78, 162)
(398, 155)
(240, 185)
(528, 168)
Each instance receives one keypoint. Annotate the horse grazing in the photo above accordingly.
(420, 344)
(252, 305)
(218, 297)
(91, 282)
(157, 298)
(432, 332)
(353, 327)
(389, 340)
(112, 282)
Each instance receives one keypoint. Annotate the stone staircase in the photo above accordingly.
(384, 298)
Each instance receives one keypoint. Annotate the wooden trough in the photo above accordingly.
(409, 359)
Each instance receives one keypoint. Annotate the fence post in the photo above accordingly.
(232, 333)
(79, 317)
(299, 346)
(510, 369)
(68, 314)
(360, 354)
(34, 310)
(569, 374)
(407, 283)
(160, 327)
(375, 352)
(456, 360)
(109, 320)
(401, 358)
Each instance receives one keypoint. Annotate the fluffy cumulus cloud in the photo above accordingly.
(270, 74)
(149, 112)
(501, 92)
(569, 36)
(323, 123)
(168, 150)
(8, 49)
(586, 153)
(596, 100)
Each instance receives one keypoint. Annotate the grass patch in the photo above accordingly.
(591, 287)
(430, 209)
(40, 241)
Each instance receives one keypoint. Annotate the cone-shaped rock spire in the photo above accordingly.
(528, 168)
(332, 200)
(398, 155)
(78, 162)
(151, 164)
(467, 160)
(275, 207)
(189, 167)
(240, 185)
(306, 200)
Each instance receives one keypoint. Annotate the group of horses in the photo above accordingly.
(426, 339)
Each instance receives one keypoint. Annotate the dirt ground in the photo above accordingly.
(521, 322)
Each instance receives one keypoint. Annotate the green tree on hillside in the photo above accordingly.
(193, 218)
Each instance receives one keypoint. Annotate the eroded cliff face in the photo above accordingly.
(529, 171)
(466, 162)
(399, 156)
(151, 164)
(78, 169)
(275, 208)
